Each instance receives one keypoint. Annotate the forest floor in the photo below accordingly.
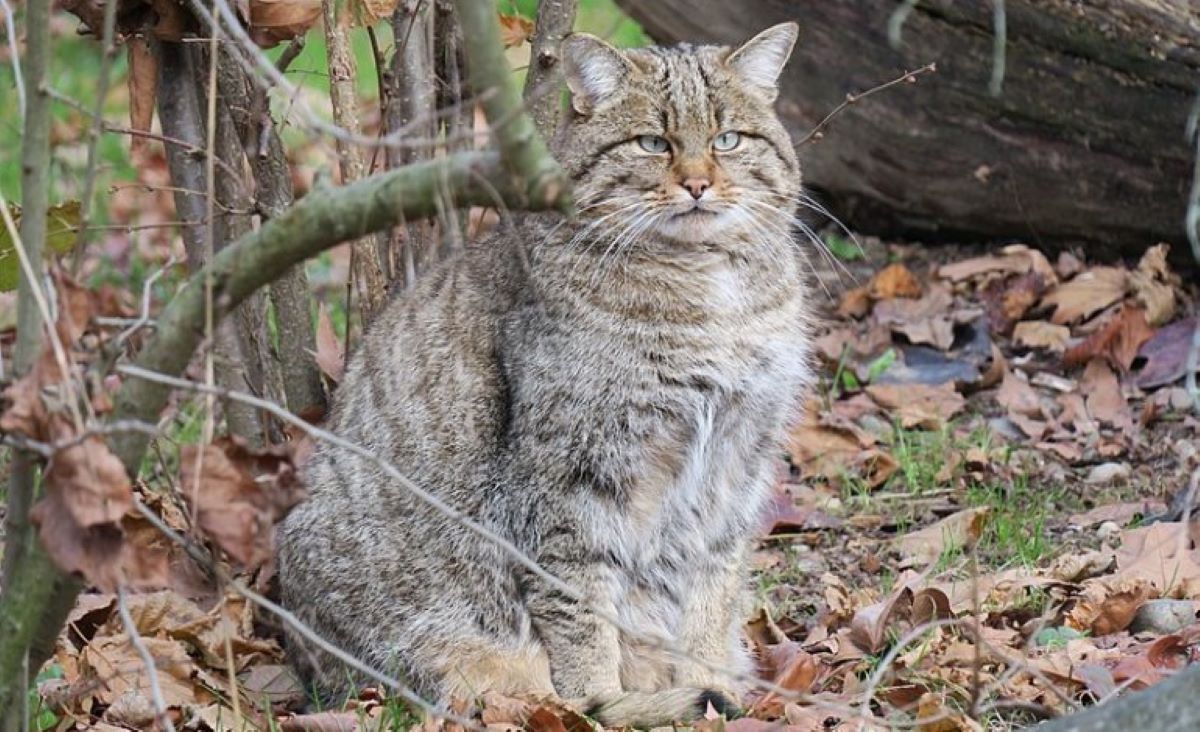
(971, 529)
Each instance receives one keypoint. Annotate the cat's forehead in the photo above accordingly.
(686, 85)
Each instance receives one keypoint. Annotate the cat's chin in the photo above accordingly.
(697, 226)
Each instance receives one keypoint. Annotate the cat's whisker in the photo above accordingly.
(816, 206)
(768, 229)
(835, 264)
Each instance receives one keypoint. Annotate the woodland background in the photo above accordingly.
(984, 521)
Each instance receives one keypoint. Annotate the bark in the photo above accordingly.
(367, 271)
(273, 194)
(1085, 144)
(182, 113)
(411, 107)
(543, 94)
(457, 121)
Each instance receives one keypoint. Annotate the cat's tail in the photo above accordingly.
(662, 708)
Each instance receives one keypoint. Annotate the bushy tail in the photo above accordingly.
(661, 708)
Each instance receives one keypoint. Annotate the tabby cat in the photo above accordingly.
(608, 392)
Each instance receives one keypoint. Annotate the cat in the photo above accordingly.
(607, 391)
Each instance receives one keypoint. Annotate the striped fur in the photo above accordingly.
(608, 392)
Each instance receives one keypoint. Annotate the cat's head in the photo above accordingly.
(680, 142)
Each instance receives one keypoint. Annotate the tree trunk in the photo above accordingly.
(1084, 144)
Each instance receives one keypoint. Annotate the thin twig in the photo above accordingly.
(147, 291)
(108, 49)
(135, 639)
(907, 77)
(10, 30)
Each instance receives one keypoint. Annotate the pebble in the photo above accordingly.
(1164, 616)
(1107, 530)
(1106, 473)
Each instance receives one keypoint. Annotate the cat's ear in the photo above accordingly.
(760, 60)
(594, 71)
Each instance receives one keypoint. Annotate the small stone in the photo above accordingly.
(1164, 617)
(1108, 473)
(1107, 530)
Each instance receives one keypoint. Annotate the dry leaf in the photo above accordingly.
(1163, 555)
(1105, 402)
(143, 89)
(1014, 259)
(330, 355)
(1117, 342)
(113, 665)
(240, 495)
(374, 10)
(1151, 284)
(894, 280)
(1107, 605)
(514, 30)
(1041, 334)
(275, 21)
(1166, 354)
(1007, 301)
(918, 405)
(1086, 294)
(855, 303)
(957, 531)
(1018, 397)
(926, 320)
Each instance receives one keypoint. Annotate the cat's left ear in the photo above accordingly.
(760, 60)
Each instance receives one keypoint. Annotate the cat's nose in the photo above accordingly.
(697, 186)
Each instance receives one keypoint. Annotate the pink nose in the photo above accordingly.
(697, 186)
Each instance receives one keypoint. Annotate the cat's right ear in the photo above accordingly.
(594, 71)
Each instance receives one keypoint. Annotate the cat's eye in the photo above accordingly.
(654, 144)
(726, 141)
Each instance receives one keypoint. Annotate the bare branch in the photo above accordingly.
(909, 77)
(555, 18)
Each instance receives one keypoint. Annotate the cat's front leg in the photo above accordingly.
(583, 648)
(711, 631)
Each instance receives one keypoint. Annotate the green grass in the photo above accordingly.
(843, 247)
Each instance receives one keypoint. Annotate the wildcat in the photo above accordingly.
(606, 391)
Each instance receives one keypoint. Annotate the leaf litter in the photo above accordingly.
(935, 543)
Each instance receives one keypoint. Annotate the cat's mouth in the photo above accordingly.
(695, 211)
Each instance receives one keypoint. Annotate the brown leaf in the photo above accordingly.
(1015, 259)
(926, 320)
(321, 722)
(240, 495)
(113, 665)
(330, 355)
(1163, 555)
(957, 531)
(919, 405)
(1086, 294)
(819, 450)
(275, 21)
(514, 30)
(1107, 605)
(1007, 301)
(374, 10)
(1105, 402)
(1151, 284)
(143, 89)
(868, 628)
(1041, 334)
(894, 280)
(1117, 342)
(1166, 354)
(1018, 397)
(1120, 513)
(855, 303)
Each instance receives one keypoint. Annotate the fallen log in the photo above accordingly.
(1084, 144)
